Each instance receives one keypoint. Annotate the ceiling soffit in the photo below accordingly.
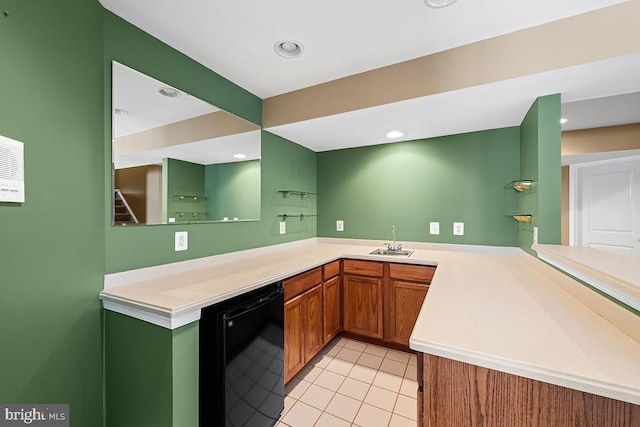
(583, 39)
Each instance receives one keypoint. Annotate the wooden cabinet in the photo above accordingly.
(408, 286)
(332, 300)
(405, 301)
(374, 300)
(313, 322)
(363, 298)
(294, 351)
(455, 393)
(382, 300)
(303, 320)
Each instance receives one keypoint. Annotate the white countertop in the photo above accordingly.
(613, 274)
(494, 307)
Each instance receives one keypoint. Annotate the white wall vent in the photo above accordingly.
(11, 170)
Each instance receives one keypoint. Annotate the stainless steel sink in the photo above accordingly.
(395, 252)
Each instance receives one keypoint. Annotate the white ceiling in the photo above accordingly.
(483, 107)
(341, 38)
(613, 110)
(138, 95)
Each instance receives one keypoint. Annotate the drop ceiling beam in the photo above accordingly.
(583, 39)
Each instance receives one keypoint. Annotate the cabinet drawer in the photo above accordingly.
(298, 284)
(364, 268)
(332, 269)
(417, 273)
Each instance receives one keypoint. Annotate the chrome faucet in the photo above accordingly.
(393, 246)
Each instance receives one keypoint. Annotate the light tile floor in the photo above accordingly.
(351, 383)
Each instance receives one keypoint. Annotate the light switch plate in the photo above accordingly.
(434, 228)
(458, 228)
(182, 240)
(283, 227)
(339, 225)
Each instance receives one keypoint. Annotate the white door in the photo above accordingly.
(608, 205)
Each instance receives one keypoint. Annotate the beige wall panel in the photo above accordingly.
(602, 34)
(610, 138)
(154, 195)
(564, 206)
(207, 126)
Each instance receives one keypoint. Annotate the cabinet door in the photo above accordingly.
(406, 301)
(294, 354)
(363, 305)
(313, 332)
(332, 309)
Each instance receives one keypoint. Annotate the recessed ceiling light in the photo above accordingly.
(394, 134)
(240, 156)
(169, 92)
(121, 112)
(288, 48)
(563, 121)
(438, 3)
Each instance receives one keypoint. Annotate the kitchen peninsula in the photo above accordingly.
(491, 309)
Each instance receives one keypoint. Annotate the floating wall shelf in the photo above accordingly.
(190, 214)
(185, 198)
(301, 216)
(303, 194)
(521, 217)
(520, 185)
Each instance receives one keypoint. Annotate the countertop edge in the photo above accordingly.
(534, 372)
(317, 254)
(577, 262)
(164, 317)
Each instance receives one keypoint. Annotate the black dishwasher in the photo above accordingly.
(242, 360)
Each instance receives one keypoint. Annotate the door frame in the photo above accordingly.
(574, 173)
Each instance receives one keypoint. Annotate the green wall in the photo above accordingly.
(151, 373)
(183, 191)
(409, 184)
(232, 191)
(56, 99)
(283, 164)
(166, 386)
(52, 257)
(127, 44)
(540, 160)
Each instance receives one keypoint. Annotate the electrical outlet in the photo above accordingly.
(283, 227)
(182, 240)
(339, 225)
(458, 228)
(434, 228)
(535, 235)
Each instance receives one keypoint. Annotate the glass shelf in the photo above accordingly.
(520, 185)
(191, 214)
(300, 216)
(520, 217)
(185, 198)
(303, 194)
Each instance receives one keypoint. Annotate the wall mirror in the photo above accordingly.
(178, 159)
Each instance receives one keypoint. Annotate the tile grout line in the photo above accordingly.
(360, 350)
